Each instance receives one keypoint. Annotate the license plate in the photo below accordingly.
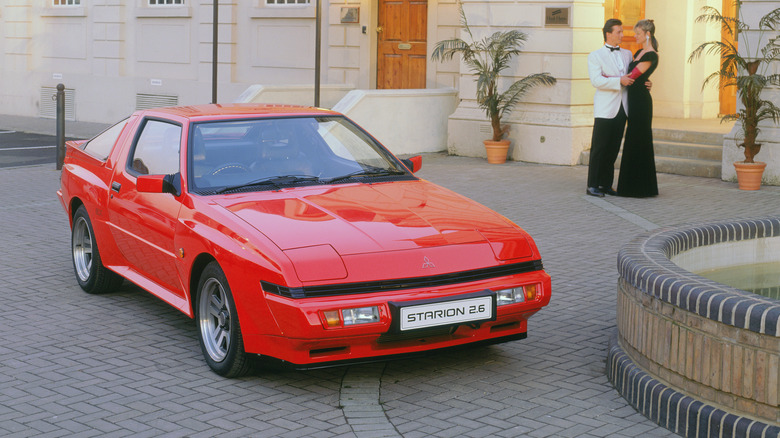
(446, 313)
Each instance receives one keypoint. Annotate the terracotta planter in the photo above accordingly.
(749, 174)
(496, 151)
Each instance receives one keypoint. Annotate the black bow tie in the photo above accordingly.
(612, 49)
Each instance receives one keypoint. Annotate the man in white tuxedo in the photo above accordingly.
(607, 70)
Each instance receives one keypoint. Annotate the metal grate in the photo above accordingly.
(148, 101)
(48, 106)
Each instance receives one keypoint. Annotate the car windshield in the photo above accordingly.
(272, 153)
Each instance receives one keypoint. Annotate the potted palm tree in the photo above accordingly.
(487, 58)
(750, 72)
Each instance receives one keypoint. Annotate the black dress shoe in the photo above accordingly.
(592, 191)
(608, 191)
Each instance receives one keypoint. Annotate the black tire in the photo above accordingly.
(92, 276)
(219, 331)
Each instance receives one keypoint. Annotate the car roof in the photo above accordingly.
(236, 110)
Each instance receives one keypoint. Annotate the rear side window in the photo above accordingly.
(101, 146)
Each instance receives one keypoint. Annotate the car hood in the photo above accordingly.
(365, 218)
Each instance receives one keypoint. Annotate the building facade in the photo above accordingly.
(115, 56)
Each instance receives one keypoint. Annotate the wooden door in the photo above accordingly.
(402, 43)
(728, 95)
(629, 12)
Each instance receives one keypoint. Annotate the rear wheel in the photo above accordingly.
(219, 331)
(92, 276)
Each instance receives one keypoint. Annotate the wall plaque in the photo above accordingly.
(557, 16)
(350, 14)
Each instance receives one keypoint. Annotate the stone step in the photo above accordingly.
(688, 150)
(688, 166)
(680, 136)
(675, 165)
(684, 152)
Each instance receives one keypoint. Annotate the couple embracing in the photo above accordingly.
(623, 94)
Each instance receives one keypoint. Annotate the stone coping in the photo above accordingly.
(645, 263)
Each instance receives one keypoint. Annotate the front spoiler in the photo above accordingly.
(268, 361)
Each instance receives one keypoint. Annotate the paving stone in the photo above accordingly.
(126, 364)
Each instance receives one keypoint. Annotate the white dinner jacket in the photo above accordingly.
(605, 75)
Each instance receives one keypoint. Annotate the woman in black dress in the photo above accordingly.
(637, 167)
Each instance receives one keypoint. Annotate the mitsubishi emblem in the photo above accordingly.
(427, 263)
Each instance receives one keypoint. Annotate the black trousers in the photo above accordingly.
(604, 149)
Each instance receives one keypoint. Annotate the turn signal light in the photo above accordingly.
(517, 294)
(530, 292)
(332, 318)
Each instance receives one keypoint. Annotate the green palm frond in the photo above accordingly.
(730, 25)
(770, 21)
(508, 99)
(771, 51)
(768, 111)
(445, 50)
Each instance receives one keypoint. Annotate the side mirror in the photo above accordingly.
(159, 184)
(414, 164)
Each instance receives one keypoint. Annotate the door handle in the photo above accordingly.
(380, 29)
(115, 186)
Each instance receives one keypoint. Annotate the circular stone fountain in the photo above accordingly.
(697, 357)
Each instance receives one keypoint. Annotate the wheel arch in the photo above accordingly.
(75, 203)
(198, 266)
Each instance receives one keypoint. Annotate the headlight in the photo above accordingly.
(510, 296)
(516, 294)
(361, 315)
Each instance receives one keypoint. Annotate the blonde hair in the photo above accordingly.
(648, 26)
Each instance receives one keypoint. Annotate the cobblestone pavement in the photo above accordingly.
(126, 364)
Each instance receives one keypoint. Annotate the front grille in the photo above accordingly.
(403, 283)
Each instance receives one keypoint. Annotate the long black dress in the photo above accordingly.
(637, 167)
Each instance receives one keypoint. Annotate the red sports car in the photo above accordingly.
(289, 232)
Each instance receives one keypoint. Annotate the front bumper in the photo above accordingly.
(306, 341)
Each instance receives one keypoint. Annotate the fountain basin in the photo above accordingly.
(698, 357)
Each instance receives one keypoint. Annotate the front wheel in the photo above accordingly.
(219, 332)
(92, 276)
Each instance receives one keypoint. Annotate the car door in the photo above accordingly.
(144, 224)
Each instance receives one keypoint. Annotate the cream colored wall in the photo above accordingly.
(405, 121)
(130, 48)
(677, 84)
(551, 124)
(112, 51)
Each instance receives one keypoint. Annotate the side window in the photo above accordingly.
(157, 150)
(103, 143)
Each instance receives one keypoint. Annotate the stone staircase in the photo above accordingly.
(688, 152)
(685, 147)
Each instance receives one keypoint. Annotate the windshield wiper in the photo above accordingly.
(367, 172)
(275, 181)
